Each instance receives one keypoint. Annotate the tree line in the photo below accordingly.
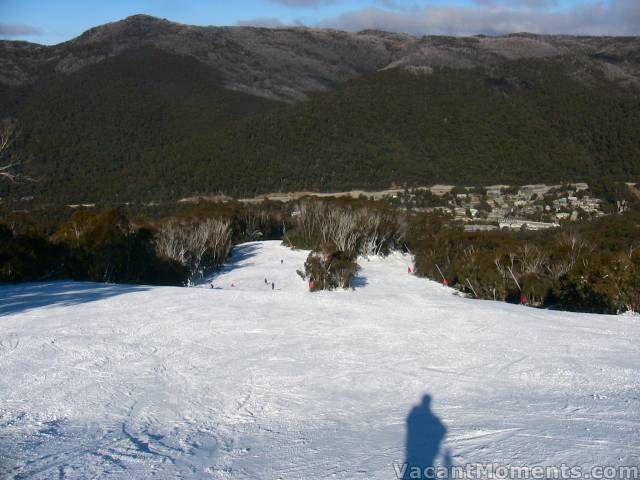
(588, 266)
(108, 247)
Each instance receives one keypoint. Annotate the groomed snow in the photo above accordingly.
(239, 381)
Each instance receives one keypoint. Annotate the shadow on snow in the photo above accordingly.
(359, 282)
(425, 434)
(239, 254)
(22, 297)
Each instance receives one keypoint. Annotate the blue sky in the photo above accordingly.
(52, 21)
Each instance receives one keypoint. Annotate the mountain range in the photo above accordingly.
(145, 109)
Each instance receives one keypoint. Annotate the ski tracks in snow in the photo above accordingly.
(9, 343)
(242, 382)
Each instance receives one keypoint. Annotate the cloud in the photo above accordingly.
(17, 30)
(303, 3)
(267, 22)
(491, 17)
(517, 3)
(390, 4)
(494, 17)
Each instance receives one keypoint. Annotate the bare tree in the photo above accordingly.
(331, 225)
(252, 220)
(572, 248)
(376, 229)
(215, 237)
(171, 242)
(532, 259)
(196, 245)
(343, 230)
(309, 218)
(8, 134)
(350, 230)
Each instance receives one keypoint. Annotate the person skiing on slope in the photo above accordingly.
(273, 286)
(265, 281)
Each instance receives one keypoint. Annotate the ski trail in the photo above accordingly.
(246, 382)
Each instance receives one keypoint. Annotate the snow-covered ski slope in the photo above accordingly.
(231, 382)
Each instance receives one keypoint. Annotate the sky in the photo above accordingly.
(54, 21)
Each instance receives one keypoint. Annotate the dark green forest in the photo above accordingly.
(151, 126)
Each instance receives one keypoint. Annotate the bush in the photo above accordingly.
(101, 247)
(197, 245)
(337, 226)
(328, 271)
(28, 257)
(592, 267)
(578, 293)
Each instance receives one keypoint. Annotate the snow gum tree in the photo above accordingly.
(328, 271)
(8, 136)
(352, 230)
(337, 234)
(105, 247)
(198, 245)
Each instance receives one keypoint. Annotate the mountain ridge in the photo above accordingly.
(289, 63)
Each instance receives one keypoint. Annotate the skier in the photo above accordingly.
(265, 281)
(273, 286)
(281, 261)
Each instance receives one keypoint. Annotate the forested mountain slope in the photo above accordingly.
(145, 109)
